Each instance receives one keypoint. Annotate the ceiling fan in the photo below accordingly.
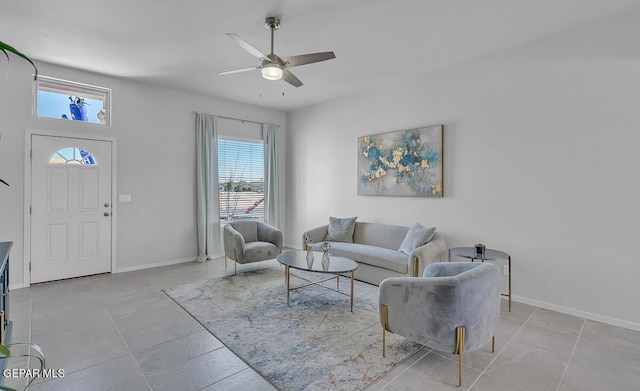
(274, 67)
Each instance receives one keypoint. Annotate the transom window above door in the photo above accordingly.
(72, 155)
(69, 100)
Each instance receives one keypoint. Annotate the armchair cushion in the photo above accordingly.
(259, 251)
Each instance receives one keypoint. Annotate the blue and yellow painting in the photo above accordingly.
(405, 163)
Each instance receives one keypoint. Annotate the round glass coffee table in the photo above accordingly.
(317, 263)
(488, 255)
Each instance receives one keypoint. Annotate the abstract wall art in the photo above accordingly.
(404, 163)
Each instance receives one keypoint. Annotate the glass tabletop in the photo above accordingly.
(335, 264)
(470, 252)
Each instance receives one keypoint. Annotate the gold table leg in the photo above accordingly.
(509, 283)
(352, 291)
(286, 280)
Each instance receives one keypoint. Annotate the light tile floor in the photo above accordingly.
(121, 332)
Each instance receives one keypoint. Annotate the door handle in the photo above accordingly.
(106, 205)
(106, 214)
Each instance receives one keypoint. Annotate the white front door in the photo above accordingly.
(70, 207)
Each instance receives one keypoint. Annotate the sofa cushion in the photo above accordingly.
(418, 235)
(341, 229)
(259, 251)
(379, 235)
(371, 255)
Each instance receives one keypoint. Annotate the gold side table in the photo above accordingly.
(488, 255)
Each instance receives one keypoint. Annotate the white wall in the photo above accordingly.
(540, 160)
(155, 131)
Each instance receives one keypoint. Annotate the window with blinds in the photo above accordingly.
(241, 179)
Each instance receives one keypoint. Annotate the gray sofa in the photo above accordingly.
(375, 249)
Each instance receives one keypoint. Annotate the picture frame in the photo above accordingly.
(402, 163)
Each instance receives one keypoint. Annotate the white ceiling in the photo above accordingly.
(182, 44)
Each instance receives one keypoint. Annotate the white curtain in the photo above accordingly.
(207, 192)
(271, 176)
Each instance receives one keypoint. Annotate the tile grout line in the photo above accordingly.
(29, 338)
(575, 346)
(121, 335)
(146, 378)
(214, 336)
(502, 350)
(407, 368)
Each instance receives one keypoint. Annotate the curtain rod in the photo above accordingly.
(238, 119)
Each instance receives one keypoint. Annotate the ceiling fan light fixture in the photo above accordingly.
(272, 71)
(272, 66)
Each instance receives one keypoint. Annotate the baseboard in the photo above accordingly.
(152, 265)
(126, 269)
(291, 247)
(581, 314)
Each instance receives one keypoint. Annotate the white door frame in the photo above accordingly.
(26, 276)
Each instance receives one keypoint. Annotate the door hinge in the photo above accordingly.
(31, 154)
(29, 266)
(30, 210)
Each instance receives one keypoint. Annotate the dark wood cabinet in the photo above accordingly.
(5, 323)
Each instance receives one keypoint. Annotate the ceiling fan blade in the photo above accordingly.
(239, 70)
(247, 46)
(290, 78)
(304, 59)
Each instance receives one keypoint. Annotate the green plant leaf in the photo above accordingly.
(31, 348)
(8, 48)
(7, 185)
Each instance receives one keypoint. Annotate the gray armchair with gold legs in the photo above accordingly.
(250, 241)
(453, 307)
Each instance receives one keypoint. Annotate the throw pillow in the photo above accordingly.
(418, 235)
(341, 229)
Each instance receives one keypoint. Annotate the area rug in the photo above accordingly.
(315, 343)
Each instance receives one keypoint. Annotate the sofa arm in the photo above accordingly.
(420, 257)
(316, 234)
(233, 240)
(271, 234)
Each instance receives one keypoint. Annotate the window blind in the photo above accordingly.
(241, 179)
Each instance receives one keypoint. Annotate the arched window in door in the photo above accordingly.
(72, 155)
